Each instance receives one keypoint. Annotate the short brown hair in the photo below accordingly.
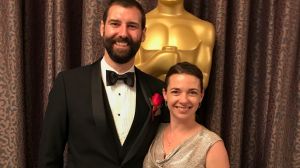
(185, 68)
(126, 4)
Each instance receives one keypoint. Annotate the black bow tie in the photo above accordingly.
(112, 78)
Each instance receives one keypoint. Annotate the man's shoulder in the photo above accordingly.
(79, 72)
(81, 69)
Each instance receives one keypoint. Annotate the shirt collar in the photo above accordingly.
(105, 66)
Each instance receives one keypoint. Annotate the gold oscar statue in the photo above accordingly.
(175, 35)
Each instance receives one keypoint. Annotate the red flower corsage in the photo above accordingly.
(156, 102)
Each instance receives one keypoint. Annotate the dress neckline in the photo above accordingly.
(175, 149)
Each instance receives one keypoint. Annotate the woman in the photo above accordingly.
(184, 142)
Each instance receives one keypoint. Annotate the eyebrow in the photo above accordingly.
(192, 89)
(113, 20)
(198, 90)
(130, 22)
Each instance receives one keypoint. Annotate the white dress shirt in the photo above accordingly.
(122, 101)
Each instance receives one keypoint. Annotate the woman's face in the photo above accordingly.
(183, 96)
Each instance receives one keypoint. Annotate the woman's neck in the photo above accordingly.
(182, 126)
(176, 134)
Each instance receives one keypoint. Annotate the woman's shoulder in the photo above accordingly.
(209, 135)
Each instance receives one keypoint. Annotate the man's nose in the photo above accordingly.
(123, 31)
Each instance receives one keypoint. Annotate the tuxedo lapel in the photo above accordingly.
(138, 122)
(100, 113)
(140, 141)
(138, 145)
(97, 97)
(146, 92)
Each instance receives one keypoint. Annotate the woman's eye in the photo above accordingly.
(175, 92)
(193, 93)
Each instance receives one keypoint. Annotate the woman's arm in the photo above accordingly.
(217, 156)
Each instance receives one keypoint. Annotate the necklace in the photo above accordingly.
(175, 139)
(168, 142)
(169, 136)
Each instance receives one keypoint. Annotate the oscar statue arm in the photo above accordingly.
(160, 62)
(205, 52)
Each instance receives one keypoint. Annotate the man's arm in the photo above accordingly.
(54, 132)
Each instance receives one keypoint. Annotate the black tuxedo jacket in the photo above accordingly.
(78, 114)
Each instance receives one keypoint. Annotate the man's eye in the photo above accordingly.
(114, 24)
(132, 26)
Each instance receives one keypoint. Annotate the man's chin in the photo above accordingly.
(121, 53)
(120, 58)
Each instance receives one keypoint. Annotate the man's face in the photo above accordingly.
(122, 33)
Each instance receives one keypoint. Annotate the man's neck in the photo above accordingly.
(120, 68)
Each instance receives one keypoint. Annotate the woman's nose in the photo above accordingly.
(183, 98)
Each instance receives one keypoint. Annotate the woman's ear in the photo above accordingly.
(202, 96)
(164, 92)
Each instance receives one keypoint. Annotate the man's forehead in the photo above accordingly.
(116, 11)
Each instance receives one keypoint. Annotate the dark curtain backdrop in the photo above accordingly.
(253, 98)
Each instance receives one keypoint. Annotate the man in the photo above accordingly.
(106, 122)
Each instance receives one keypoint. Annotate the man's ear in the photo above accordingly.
(101, 28)
(144, 34)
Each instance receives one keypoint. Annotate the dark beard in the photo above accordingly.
(121, 57)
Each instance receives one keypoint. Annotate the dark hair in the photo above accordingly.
(126, 4)
(185, 68)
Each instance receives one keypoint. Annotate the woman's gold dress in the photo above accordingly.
(190, 154)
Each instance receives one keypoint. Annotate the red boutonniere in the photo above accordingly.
(156, 102)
